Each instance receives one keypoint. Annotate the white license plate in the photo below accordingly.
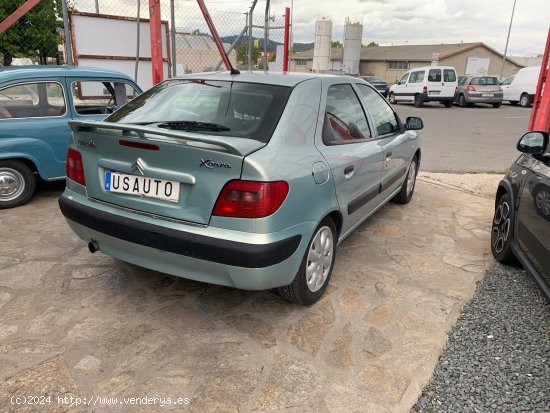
(142, 186)
(487, 95)
(434, 92)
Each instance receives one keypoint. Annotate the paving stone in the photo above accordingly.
(465, 262)
(173, 388)
(354, 400)
(111, 346)
(352, 301)
(383, 384)
(92, 328)
(89, 363)
(257, 330)
(375, 343)
(48, 378)
(292, 382)
(26, 275)
(8, 261)
(153, 351)
(27, 346)
(122, 385)
(4, 298)
(340, 355)
(211, 355)
(6, 330)
(309, 332)
(53, 319)
(390, 230)
(184, 319)
(381, 315)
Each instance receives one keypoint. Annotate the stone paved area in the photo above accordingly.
(82, 325)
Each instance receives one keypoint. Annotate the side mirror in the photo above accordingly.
(534, 143)
(413, 123)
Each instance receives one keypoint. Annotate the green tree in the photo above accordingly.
(241, 53)
(34, 35)
(373, 44)
(197, 32)
(336, 44)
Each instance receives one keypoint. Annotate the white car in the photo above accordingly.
(521, 87)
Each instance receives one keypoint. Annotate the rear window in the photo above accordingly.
(244, 110)
(484, 81)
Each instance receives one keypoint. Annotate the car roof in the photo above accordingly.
(272, 78)
(14, 72)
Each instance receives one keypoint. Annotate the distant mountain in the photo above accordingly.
(300, 47)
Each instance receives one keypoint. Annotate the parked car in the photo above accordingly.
(521, 225)
(521, 87)
(380, 85)
(247, 180)
(426, 84)
(478, 89)
(36, 104)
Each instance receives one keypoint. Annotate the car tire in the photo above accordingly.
(407, 189)
(525, 100)
(391, 98)
(312, 277)
(541, 197)
(447, 103)
(502, 232)
(17, 184)
(418, 100)
(462, 101)
(497, 105)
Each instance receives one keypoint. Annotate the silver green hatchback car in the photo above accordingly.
(246, 180)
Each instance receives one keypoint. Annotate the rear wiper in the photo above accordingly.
(187, 125)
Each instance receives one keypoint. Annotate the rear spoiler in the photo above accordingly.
(234, 145)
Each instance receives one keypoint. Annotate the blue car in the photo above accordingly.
(245, 180)
(36, 105)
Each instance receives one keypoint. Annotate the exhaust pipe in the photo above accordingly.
(93, 246)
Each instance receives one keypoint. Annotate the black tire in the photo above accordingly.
(497, 105)
(525, 100)
(17, 184)
(541, 197)
(304, 291)
(513, 102)
(418, 100)
(502, 232)
(407, 189)
(447, 103)
(392, 99)
(462, 101)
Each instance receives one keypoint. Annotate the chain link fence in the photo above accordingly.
(38, 38)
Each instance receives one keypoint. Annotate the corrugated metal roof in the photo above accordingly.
(186, 41)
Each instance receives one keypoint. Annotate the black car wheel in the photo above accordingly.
(392, 98)
(418, 100)
(502, 232)
(448, 103)
(405, 194)
(17, 184)
(462, 101)
(314, 273)
(497, 105)
(525, 100)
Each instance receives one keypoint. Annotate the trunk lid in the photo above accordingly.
(199, 166)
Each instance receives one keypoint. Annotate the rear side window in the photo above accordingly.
(245, 110)
(382, 114)
(417, 77)
(434, 75)
(449, 75)
(100, 97)
(32, 100)
(345, 120)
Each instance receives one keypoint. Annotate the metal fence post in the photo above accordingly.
(173, 38)
(68, 48)
(286, 42)
(266, 34)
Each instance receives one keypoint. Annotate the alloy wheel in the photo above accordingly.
(319, 258)
(501, 227)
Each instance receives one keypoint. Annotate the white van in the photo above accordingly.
(521, 87)
(426, 84)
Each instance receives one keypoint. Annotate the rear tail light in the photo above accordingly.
(250, 199)
(425, 90)
(74, 167)
(470, 88)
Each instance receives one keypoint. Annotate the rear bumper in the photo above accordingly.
(165, 247)
(479, 98)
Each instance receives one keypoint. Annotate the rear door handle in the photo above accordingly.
(348, 171)
(388, 156)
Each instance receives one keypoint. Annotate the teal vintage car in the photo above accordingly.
(36, 105)
(246, 180)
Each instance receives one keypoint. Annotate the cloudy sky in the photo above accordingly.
(421, 21)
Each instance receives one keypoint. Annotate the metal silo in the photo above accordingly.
(353, 38)
(321, 48)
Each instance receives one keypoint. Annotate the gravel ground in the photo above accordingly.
(498, 354)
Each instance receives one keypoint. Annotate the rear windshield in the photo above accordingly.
(484, 81)
(372, 79)
(244, 110)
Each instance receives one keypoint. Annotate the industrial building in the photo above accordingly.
(391, 62)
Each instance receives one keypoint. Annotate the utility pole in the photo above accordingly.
(507, 39)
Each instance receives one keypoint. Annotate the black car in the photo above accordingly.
(379, 84)
(521, 225)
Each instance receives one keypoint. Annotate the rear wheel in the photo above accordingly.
(418, 100)
(405, 194)
(462, 101)
(525, 100)
(497, 105)
(501, 232)
(314, 273)
(392, 98)
(448, 103)
(17, 184)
